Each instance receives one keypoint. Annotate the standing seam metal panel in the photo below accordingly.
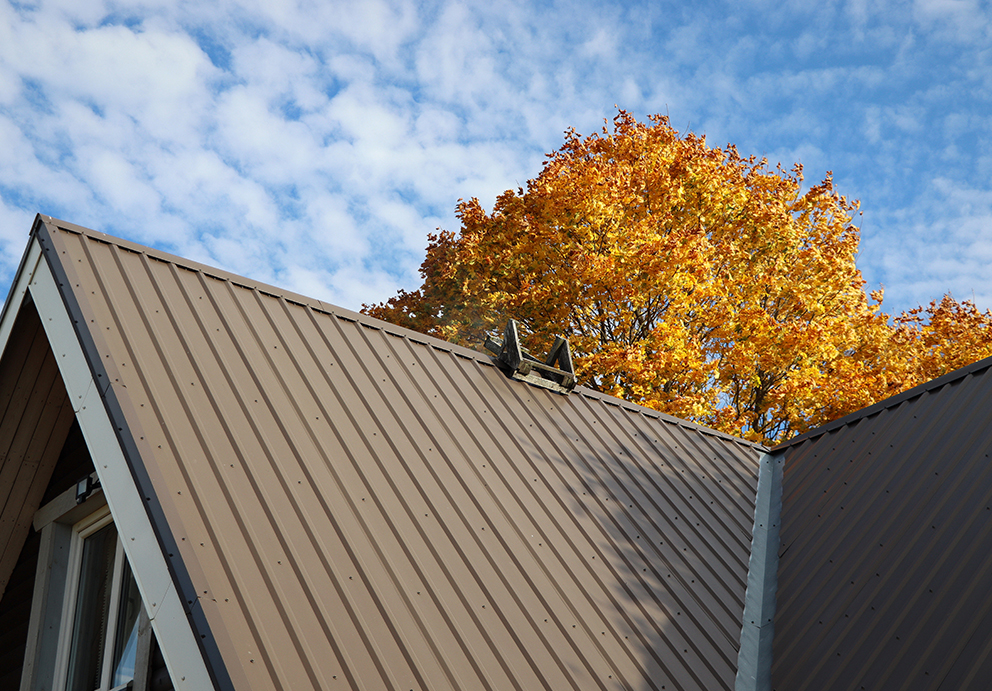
(887, 538)
(359, 508)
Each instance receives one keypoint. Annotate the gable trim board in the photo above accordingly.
(589, 505)
(95, 406)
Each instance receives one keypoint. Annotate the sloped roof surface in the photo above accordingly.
(351, 505)
(886, 557)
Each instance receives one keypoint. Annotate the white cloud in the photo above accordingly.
(318, 143)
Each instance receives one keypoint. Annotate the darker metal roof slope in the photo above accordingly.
(885, 566)
(890, 402)
(347, 504)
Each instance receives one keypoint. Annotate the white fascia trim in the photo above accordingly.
(20, 288)
(182, 654)
(754, 660)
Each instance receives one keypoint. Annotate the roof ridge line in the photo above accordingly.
(890, 402)
(267, 288)
(328, 308)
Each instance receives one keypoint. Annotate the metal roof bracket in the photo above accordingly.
(556, 373)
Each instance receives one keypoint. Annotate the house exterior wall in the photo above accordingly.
(885, 564)
(15, 613)
(35, 417)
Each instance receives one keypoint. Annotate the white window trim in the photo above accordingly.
(82, 530)
(56, 587)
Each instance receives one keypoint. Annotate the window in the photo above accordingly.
(88, 629)
(98, 642)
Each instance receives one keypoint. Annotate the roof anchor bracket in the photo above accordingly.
(556, 373)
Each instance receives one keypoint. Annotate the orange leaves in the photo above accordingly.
(952, 335)
(689, 279)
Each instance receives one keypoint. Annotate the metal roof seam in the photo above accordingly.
(688, 591)
(479, 492)
(326, 460)
(350, 500)
(674, 527)
(628, 593)
(545, 539)
(472, 614)
(436, 442)
(48, 237)
(568, 538)
(174, 445)
(929, 441)
(914, 562)
(277, 419)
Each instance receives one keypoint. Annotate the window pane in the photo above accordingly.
(89, 629)
(126, 645)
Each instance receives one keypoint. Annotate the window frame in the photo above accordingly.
(65, 523)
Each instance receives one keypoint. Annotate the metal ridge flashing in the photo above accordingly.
(754, 659)
(54, 225)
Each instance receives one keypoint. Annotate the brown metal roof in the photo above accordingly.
(347, 504)
(886, 557)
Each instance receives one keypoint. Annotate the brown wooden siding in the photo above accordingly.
(15, 613)
(35, 417)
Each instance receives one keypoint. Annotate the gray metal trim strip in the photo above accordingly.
(754, 660)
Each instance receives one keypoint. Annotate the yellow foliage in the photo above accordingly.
(688, 279)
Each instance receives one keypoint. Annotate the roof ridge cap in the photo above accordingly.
(890, 402)
(321, 306)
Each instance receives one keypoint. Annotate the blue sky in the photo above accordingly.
(314, 145)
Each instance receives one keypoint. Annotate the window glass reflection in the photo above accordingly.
(90, 623)
(126, 645)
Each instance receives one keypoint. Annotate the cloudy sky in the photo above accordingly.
(314, 145)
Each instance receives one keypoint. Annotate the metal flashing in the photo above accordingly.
(754, 661)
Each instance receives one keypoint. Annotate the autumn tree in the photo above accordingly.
(940, 338)
(687, 278)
